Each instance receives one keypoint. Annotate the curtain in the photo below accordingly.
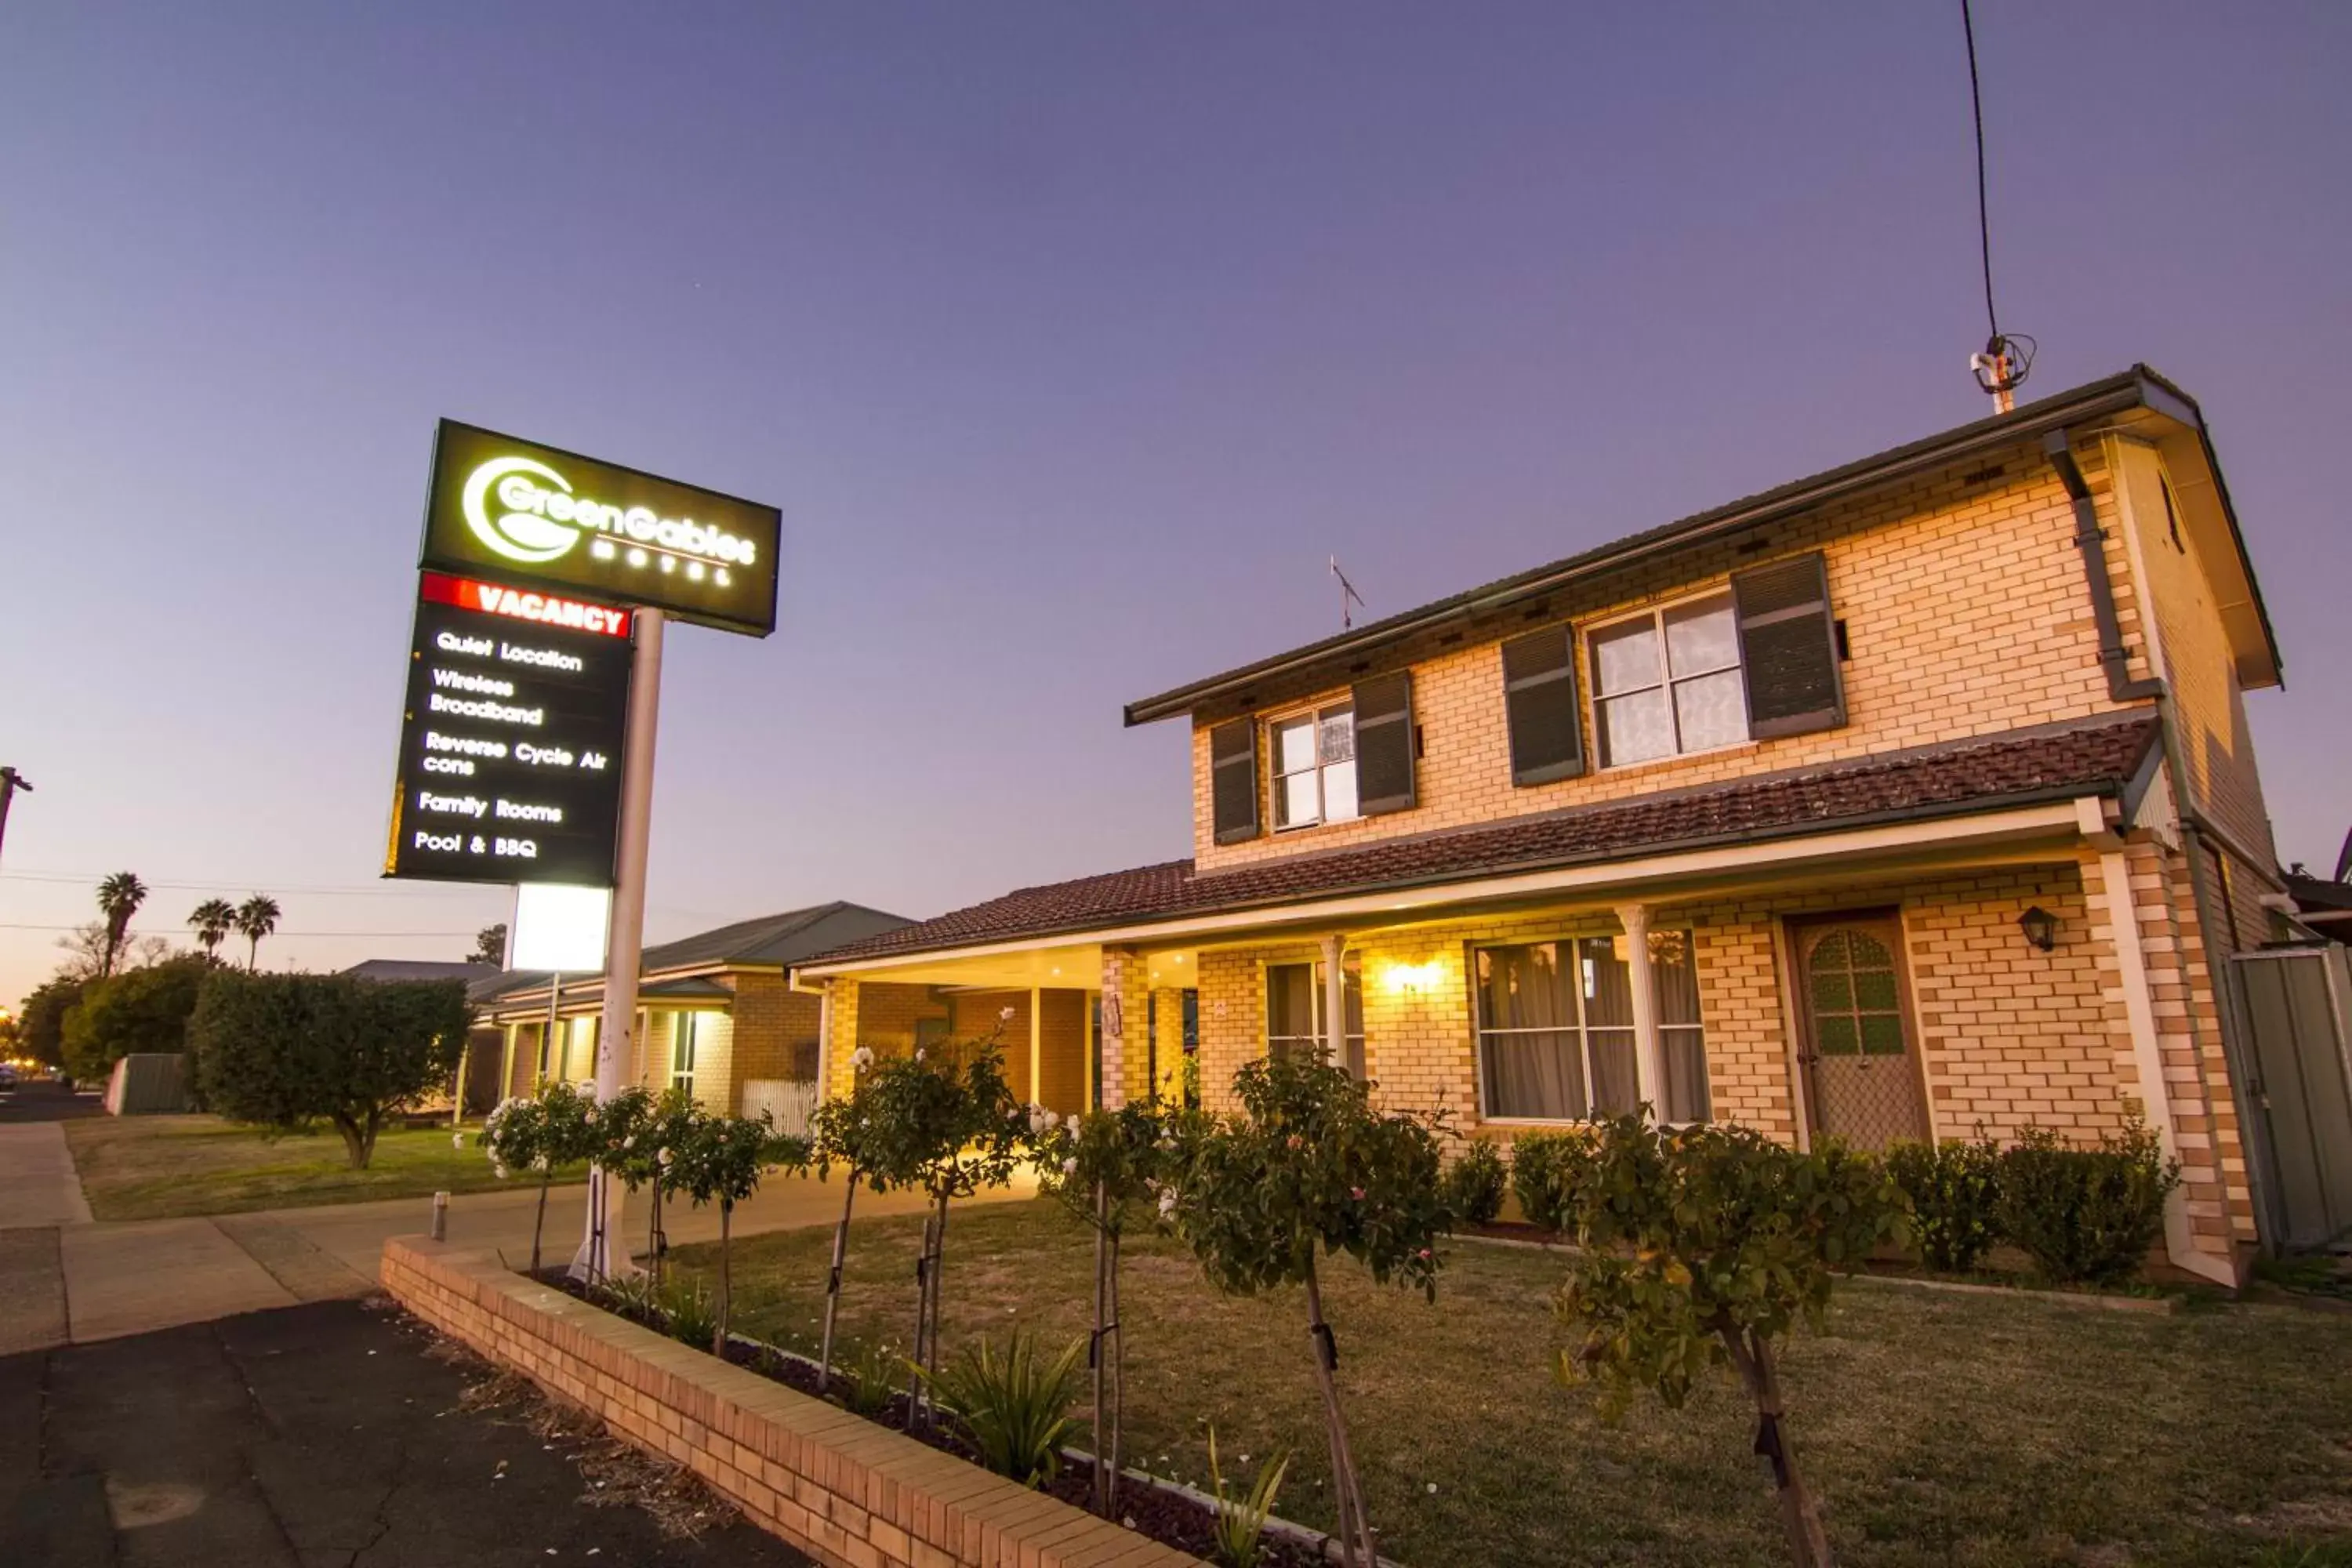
(1674, 969)
(1537, 1072)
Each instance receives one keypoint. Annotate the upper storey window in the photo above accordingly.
(1668, 682)
(1315, 767)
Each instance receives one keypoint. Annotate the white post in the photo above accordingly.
(1335, 1000)
(625, 942)
(1649, 1064)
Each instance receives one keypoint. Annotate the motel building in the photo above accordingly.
(715, 1018)
(1907, 800)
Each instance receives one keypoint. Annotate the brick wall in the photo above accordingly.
(1062, 1031)
(1964, 609)
(845, 1491)
(775, 1032)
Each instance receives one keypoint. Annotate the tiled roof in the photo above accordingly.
(2013, 768)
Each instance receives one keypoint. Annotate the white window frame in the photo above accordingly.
(1656, 615)
(1315, 1042)
(1316, 717)
(685, 1047)
(1581, 1028)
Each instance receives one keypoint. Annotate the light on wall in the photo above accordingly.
(2040, 928)
(1412, 977)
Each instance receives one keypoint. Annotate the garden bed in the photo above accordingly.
(1174, 1515)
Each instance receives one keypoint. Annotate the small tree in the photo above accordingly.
(1309, 1165)
(489, 945)
(41, 1022)
(1702, 1246)
(557, 1127)
(1107, 1168)
(943, 1120)
(841, 1130)
(133, 1012)
(722, 1160)
(638, 1135)
(286, 1049)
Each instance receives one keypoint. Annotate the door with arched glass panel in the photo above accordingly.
(1860, 1060)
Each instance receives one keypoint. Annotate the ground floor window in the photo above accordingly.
(684, 1041)
(1295, 1011)
(1556, 1030)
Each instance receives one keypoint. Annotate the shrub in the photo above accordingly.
(720, 1160)
(1239, 1528)
(874, 1371)
(286, 1050)
(1544, 1171)
(1015, 1408)
(1955, 1192)
(1474, 1184)
(133, 1012)
(1700, 1247)
(692, 1317)
(2085, 1215)
(555, 1128)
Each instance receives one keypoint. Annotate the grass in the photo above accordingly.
(1939, 1428)
(164, 1167)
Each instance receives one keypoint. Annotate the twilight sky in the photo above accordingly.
(1071, 338)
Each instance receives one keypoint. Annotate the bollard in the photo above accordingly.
(440, 1216)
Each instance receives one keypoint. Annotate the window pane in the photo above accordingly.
(1294, 745)
(1882, 1035)
(1869, 952)
(1701, 637)
(1295, 801)
(1833, 994)
(1711, 710)
(1686, 1098)
(1535, 1075)
(1674, 977)
(1874, 990)
(1607, 981)
(1635, 729)
(1524, 988)
(1616, 1085)
(1339, 792)
(1290, 1001)
(1837, 1035)
(1625, 658)
(1337, 734)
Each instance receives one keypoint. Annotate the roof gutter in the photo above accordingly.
(2103, 398)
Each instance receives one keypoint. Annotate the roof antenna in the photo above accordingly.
(1348, 596)
(2005, 362)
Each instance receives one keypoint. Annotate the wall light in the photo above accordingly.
(1412, 977)
(2040, 928)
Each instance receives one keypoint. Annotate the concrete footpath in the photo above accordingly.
(302, 1437)
(66, 1279)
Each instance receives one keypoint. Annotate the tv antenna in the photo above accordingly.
(1348, 597)
(2007, 358)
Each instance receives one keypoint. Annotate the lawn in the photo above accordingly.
(162, 1167)
(1941, 1428)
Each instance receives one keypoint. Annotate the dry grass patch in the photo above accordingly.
(1943, 1428)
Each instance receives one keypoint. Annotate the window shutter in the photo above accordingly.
(1233, 780)
(1540, 702)
(1788, 647)
(1384, 744)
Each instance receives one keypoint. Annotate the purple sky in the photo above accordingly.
(1071, 340)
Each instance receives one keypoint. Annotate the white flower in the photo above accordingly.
(1070, 1166)
(630, 1141)
(456, 1139)
(665, 1156)
(1432, 1488)
(1053, 1119)
(1005, 1015)
(918, 1053)
(1167, 1203)
(499, 1169)
(862, 1058)
(1037, 1122)
(539, 1164)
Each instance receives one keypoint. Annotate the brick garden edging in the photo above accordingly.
(848, 1493)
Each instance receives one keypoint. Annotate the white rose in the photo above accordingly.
(1167, 1203)
(456, 1139)
(862, 1058)
(1070, 1166)
(664, 1156)
(500, 1170)
(918, 1053)
(1005, 1015)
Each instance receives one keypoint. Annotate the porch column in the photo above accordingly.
(1335, 1000)
(1126, 1053)
(1036, 1044)
(1649, 1064)
(824, 1036)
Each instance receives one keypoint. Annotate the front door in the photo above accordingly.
(1860, 1054)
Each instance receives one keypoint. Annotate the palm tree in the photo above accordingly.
(119, 898)
(213, 920)
(256, 917)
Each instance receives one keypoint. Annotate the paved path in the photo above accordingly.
(313, 1436)
(65, 1280)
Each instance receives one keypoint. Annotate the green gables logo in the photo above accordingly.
(527, 512)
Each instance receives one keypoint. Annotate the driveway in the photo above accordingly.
(299, 1438)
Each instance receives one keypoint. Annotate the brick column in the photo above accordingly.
(1125, 1060)
(841, 1042)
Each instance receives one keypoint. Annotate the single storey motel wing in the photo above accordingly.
(1909, 800)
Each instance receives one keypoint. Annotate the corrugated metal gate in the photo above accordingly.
(2295, 1001)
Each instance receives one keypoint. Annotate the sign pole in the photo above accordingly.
(601, 1246)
